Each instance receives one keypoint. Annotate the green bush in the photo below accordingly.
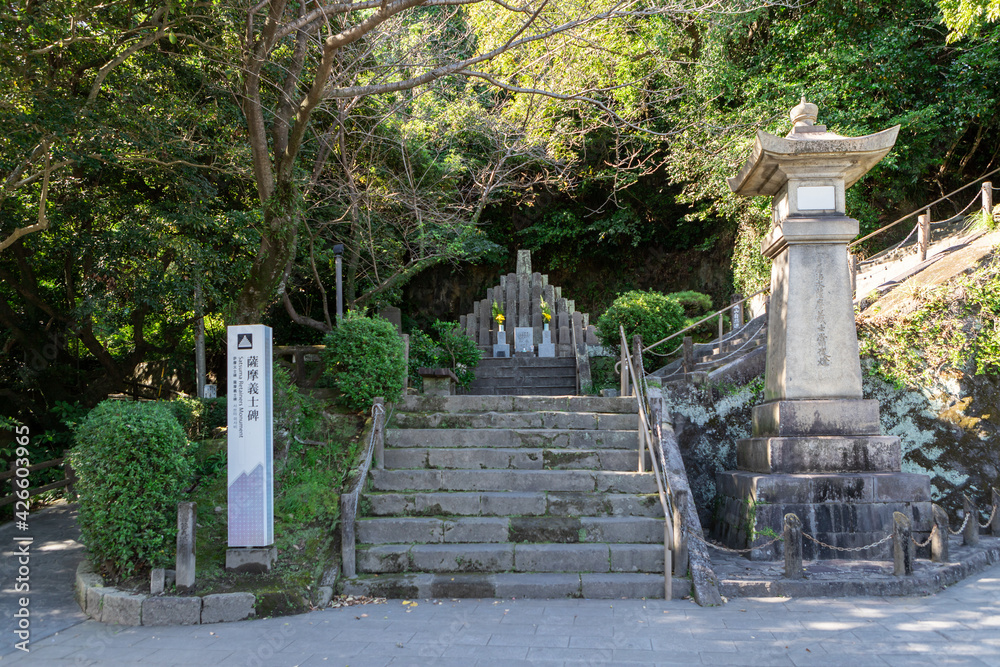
(652, 315)
(452, 349)
(695, 304)
(364, 358)
(198, 416)
(132, 469)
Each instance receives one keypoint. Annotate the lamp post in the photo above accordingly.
(338, 251)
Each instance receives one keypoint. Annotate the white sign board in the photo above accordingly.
(817, 198)
(251, 469)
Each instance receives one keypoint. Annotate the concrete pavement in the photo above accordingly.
(959, 626)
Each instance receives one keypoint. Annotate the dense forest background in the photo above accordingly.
(160, 161)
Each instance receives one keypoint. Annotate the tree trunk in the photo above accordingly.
(281, 223)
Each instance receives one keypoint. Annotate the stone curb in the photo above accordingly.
(110, 605)
(918, 584)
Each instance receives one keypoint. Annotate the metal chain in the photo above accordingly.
(733, 551)
(928, 540)
(989, 521)
(867, 546)
(964, 524)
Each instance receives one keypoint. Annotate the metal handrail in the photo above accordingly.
(705, 319)
(647, 437)
(921, 209)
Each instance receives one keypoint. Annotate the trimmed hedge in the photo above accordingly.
(132, 468)
(652, 315)
(364, 358)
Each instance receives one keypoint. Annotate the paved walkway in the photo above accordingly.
(960, 626)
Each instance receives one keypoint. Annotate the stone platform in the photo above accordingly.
(739, 578)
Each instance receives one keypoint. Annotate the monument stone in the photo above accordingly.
(817, 449)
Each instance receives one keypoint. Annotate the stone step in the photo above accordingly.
(541, 419)
(512, 503)
(566, 403)
(562, 529)
(480, 390)
(529, 371)
(599, 557)
(513, 480)
(507, 438)
(521, 458)
(609, 585)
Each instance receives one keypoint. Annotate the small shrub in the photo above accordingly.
(131, 462)
(364, 356)
(695, 304)
(652, 315)
(198, 416)
(452, 349)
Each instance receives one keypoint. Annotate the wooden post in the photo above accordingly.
(970, 536)
(923, 233)
(902, 545)
(688, 354)
(668, 566)
(70, 474)
(638, 371)
(792, 534)
(680, 542)
(720, 327)
(852, 262)
(939, 536)
(987, 200)
(378, 421)
(995, 524)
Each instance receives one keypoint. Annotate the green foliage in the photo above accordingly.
(450, 348)
(652, 315)
(967, 17)
(132, 467)
(198, 416)
(364, 357)
(695, 304)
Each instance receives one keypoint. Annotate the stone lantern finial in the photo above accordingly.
(804, 113)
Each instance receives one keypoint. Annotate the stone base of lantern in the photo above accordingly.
(824, 461)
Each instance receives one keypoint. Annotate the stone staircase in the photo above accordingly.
(537, 376)
(738, 357)
(521, 496)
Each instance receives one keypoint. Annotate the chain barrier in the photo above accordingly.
(989, 521)
(733, 551)
(882, 541)
(964, 524)
(867, 546)
(928, 540)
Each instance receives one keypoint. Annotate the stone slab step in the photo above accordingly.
(521, 458)
(512, 503)
(611, 585)
(507, 438)
(396, 558)
(565, 403)
(513, 480)
(541, 419)
(562, 529)
(516, 391)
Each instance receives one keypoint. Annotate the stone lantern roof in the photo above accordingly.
(809, 147)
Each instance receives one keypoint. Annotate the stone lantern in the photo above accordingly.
(816, 448)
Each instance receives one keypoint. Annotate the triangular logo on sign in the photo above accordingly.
(244, 341)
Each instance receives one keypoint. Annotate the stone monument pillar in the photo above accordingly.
(816, 448)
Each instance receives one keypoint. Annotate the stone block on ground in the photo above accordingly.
(227, 607)
(121, 608)
(171, 611)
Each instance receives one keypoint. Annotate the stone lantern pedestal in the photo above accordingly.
(816, 448)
